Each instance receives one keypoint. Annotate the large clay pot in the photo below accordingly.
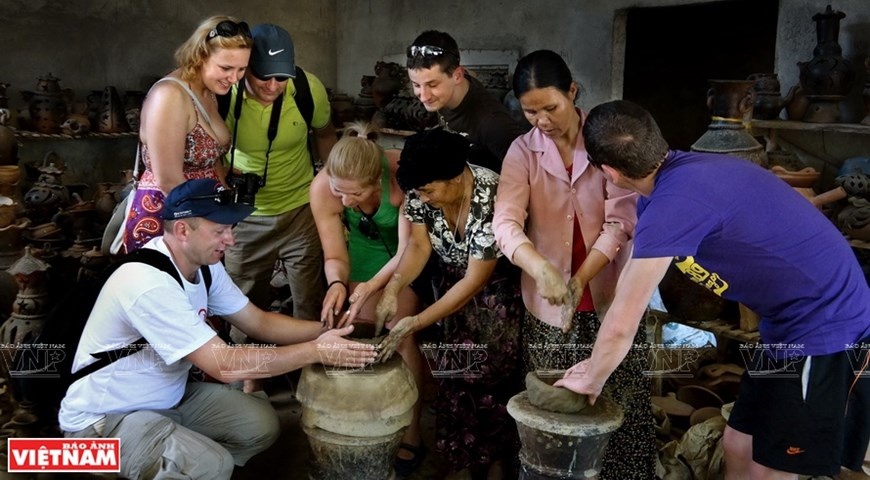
(731, 102)
(355, 419)
(563, 445)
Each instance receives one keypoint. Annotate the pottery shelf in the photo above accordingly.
(62, 136)
(720, 328)
(813, 127)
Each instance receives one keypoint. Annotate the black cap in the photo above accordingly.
(201, 198)
(273, 54)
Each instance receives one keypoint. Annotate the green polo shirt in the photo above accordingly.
(290, 173)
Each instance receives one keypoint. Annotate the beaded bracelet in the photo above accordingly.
(337, 281)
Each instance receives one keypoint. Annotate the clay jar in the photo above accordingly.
(828, 73)
(768, 101)
(47, 104)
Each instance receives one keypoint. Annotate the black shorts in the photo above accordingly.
(811, 433)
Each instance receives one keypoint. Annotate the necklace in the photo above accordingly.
(458, 216)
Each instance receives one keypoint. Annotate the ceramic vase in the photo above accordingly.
(731, 102)
(828, 77)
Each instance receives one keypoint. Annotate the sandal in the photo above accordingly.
(406, 466)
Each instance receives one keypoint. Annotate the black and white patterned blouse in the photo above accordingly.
(479, 241)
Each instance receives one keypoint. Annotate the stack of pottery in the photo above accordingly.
(355, 419)
(828, 77)
(48, 194)
(561, 436)
(731, 102)
(31, 303)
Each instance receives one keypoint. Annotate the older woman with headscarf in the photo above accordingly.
(450, 205)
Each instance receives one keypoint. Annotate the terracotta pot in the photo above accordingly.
(8, 146)
(7, 214)
(805, 178)
(10, 174)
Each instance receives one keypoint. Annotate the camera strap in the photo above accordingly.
(271, 132)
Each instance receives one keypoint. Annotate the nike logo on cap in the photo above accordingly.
(276, 52)
(794, 450)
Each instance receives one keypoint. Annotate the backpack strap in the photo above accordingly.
(159, 261)
(303, 98)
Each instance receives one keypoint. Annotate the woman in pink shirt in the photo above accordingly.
(569, 230)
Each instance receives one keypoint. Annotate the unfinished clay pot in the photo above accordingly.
(545, 396)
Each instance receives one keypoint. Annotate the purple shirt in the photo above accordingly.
(744, 234)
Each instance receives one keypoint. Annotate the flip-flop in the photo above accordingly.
(406, 466)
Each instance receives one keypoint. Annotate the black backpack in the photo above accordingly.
(42, 371)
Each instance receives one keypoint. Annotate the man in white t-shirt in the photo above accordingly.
(167, 426)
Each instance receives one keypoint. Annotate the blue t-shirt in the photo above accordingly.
(744, 234)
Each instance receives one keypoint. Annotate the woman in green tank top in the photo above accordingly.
(356, 205)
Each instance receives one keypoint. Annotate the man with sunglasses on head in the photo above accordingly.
(463, 104)
(169, 427)
(269, 116)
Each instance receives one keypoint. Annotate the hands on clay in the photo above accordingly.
(577, 380)
(388, 345)
(334, 350)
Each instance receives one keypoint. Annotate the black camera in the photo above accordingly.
(243, 187)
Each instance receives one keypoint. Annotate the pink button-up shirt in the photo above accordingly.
(536, 204)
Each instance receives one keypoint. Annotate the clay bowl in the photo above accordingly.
(10, 173)
(703, 414)
(544, 395)
(805, 178)
(699, 397)
(44, 231)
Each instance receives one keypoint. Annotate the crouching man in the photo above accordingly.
(170, 428)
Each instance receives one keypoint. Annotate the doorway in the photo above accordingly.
(671, 53)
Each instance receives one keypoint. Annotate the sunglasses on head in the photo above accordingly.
(221, 196)
(228, 29)
(425, 51)
(277, 78)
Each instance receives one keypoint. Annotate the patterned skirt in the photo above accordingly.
(631, 452)
(477, 368)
